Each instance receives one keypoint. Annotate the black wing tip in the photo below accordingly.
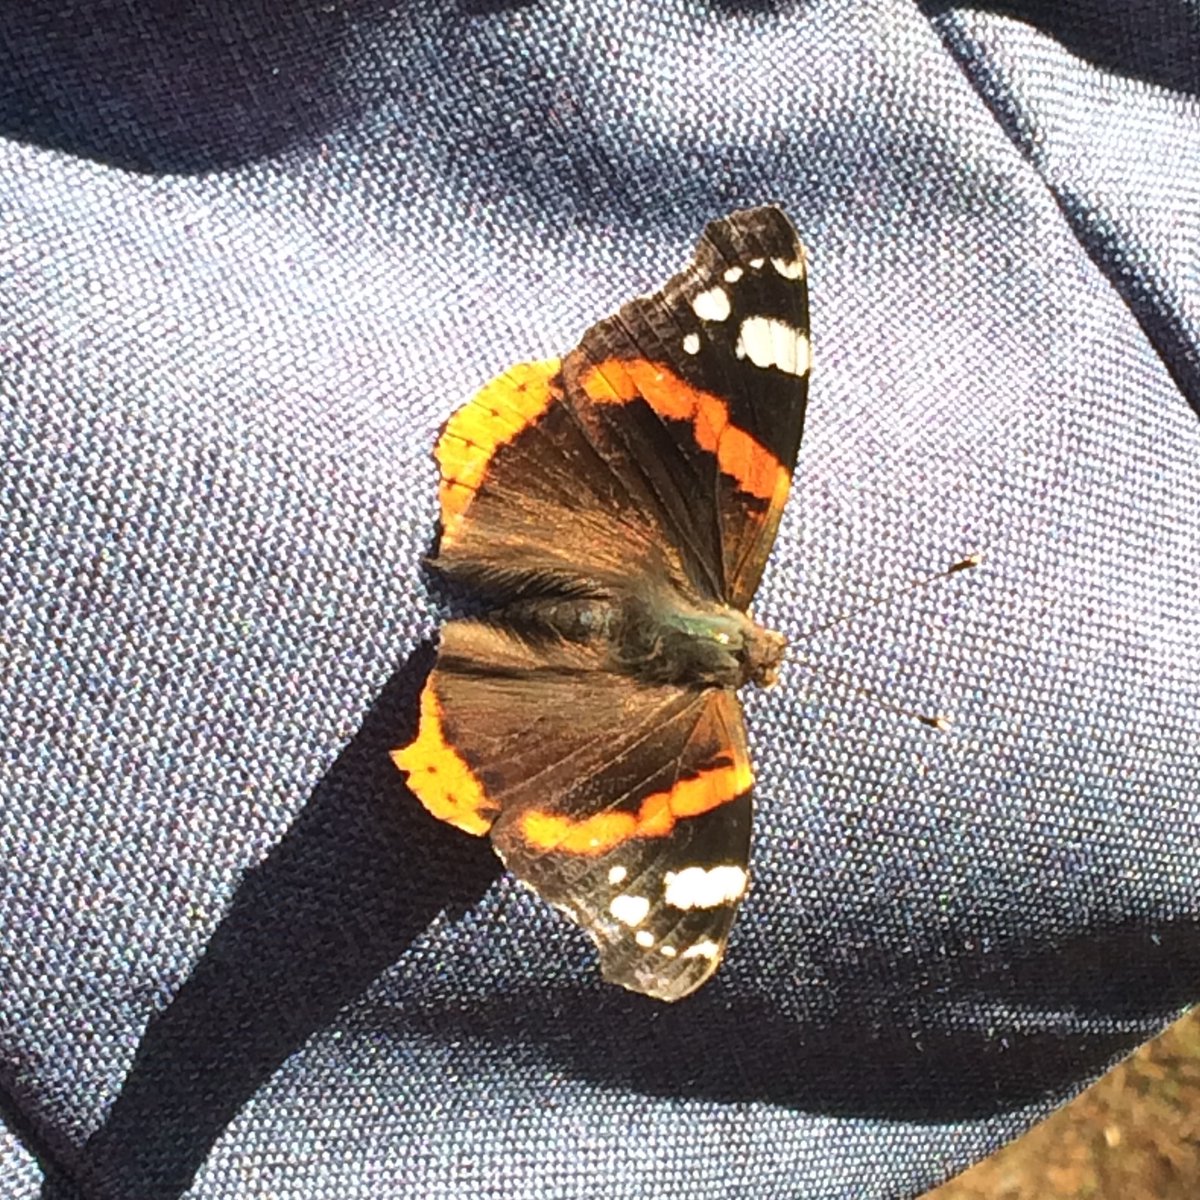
(750, 234)
(671, 984)
(766, 222)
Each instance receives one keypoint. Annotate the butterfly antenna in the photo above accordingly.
(939, 721)
(963, 564)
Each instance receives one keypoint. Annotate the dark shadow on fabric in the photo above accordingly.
(753, 7)
(154, 89)
(484, 8)
(169, 88)
(15, 1120)
(950, 1040)
(360, 874)
(1166, 328)
(1157, 41)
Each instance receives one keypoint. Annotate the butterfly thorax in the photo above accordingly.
(658, 639)
(696, 646)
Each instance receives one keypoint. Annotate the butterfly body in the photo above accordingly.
(614, 511)
(656, 639)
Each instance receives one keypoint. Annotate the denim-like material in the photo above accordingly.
(250, 261)
(19, 1174)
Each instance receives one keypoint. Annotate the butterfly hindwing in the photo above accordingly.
(625, 806)
(533, 490)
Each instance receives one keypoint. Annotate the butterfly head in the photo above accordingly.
(763, 655)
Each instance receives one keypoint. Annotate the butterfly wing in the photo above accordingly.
(663, 445)
(720, 356)
(628, 807)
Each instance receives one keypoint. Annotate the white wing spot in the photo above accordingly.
(756, 263)
(629, 910)
(644, 938)
(734, 274)
(694, 887)
(667, 951)
(712, 305)
(691, 343)
(704, 949)
(616, 875)
(789, 270)
(767, 342)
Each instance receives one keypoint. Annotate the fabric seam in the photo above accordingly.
(997, 98)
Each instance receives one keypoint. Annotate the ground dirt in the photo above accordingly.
(1134, 1135)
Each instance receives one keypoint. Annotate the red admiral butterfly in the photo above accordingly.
(615, 510)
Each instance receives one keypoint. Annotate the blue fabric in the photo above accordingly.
(250, 261)
(19, 1174)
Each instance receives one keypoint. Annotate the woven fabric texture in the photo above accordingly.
(20, 1177)
(252, 255)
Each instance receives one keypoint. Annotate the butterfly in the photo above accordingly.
(613, 511)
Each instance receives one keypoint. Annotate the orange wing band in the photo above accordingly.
(510, 403)
(655, 817)
(440, 777)
(754, 469)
